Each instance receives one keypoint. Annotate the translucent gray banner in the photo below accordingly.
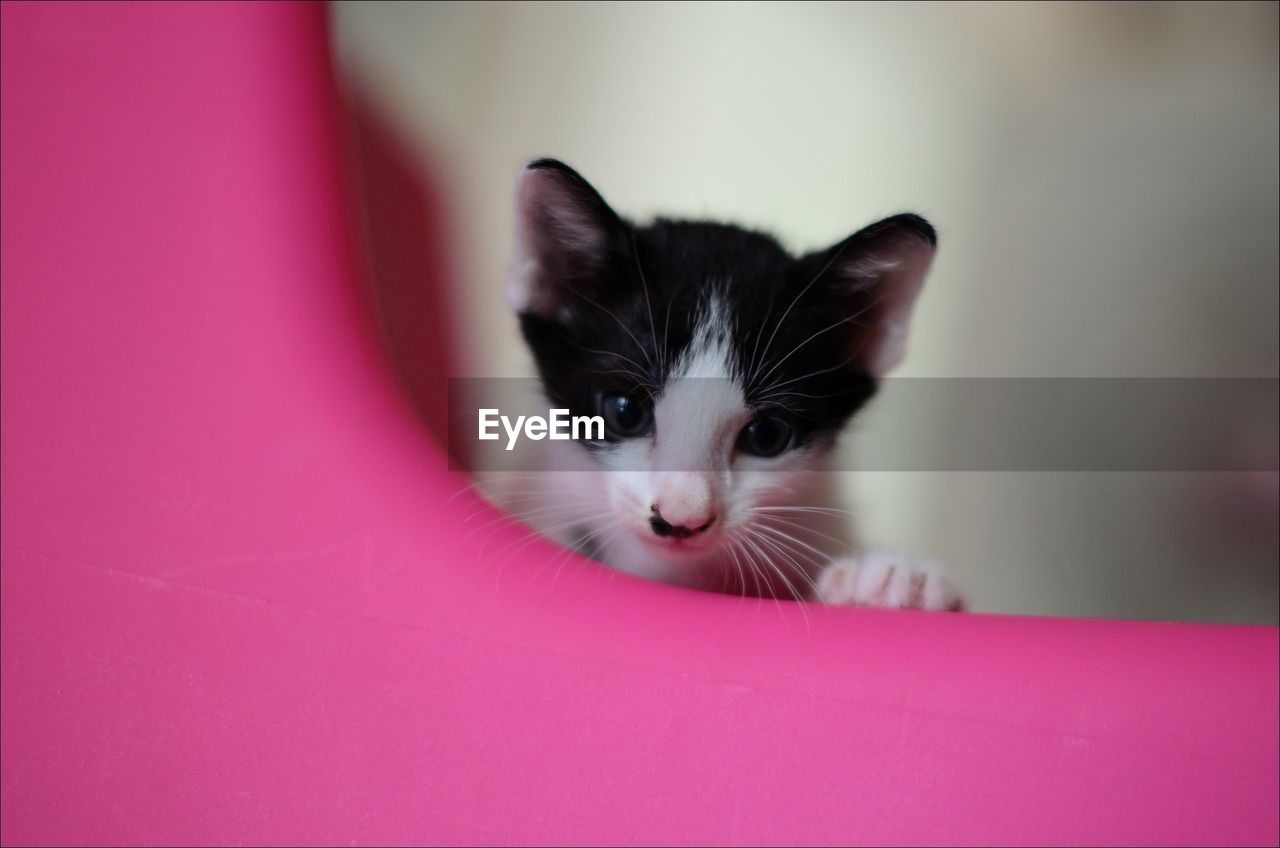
(971, 424)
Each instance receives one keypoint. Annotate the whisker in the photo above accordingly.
(477, 485)
(647, 304)
(776, 545)
(641, 380)
(546, 534)
(640, 369)
(822, 509)
(756, 366)
(755, 575)
(796, 595)
(782, 534)
(525, 516)
(778, 395)
(505, 511)
(826, 329)
(811, 374)
(666, 325)
(618, 321)
(576, 547)
(742, 577)
(764, 562)
(800, 571)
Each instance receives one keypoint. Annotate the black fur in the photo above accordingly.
(607, 336)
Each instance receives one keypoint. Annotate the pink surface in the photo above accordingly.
(238, 605)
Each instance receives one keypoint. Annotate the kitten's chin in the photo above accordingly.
(693, 548)
(676, 562)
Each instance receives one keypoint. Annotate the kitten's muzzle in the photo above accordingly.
(662, 527)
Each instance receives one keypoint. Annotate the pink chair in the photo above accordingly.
(240, 603)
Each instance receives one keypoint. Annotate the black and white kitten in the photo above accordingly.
(725, 368)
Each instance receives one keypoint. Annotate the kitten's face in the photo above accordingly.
(723, 366)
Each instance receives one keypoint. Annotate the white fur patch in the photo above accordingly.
(702, 405)
(884, 579)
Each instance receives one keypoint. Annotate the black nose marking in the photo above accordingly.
(662, 527)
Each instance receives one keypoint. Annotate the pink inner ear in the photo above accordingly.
(891, 283)
(552, 222)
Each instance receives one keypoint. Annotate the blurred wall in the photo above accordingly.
(1103, 178)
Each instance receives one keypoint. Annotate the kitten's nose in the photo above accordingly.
(686, 528)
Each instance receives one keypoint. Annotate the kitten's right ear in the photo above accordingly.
(876, 276)
(566, 236)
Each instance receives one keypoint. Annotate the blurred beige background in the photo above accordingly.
(1104, 179)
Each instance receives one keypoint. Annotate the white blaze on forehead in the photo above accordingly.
(702, 405)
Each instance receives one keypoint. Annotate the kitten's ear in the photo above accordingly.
(875, 276)
(566, 236)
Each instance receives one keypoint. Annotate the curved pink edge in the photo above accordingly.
(242, 604)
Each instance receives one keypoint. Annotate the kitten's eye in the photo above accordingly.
(626, 416)
(766, 436)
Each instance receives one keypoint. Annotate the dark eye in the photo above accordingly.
(766, 435)
(626, 416)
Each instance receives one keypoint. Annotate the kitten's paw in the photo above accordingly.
(883, 579)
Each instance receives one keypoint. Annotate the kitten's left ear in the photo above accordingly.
(567, 237)
(876, 275)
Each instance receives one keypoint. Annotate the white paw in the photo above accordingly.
(883, 579)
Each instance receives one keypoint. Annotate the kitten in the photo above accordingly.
(725, 369)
